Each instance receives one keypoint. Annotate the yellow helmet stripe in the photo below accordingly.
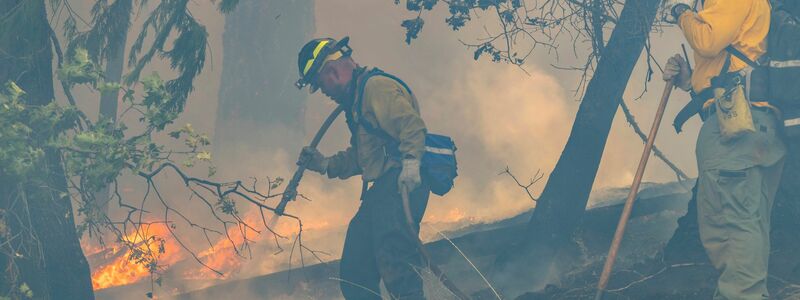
(310, 62)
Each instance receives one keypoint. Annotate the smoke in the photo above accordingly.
(504, 118)
(499, 116)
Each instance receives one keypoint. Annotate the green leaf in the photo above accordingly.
(26, 290)
(109, 87)
(152, 81)
(188, 163)
(212, 170)
(14, 90)
(188, 128)
(203, 156)
(79, 69)
(128, 97)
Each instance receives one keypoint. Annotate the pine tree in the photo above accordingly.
(44, 146)
(37, 208)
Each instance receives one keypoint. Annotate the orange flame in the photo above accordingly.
(222, 256)
(154, 240)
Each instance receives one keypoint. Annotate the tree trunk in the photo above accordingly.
(108, 100)
(563, 201)
(55, 268)
(260, 110)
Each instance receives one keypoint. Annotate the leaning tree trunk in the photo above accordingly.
(54, 267)
(563, 201)
(115, 62)
(260, 110)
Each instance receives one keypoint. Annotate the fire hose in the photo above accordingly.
(425, 256)
(290, 193)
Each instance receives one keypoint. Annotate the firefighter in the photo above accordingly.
(386, 145)
(738, 176)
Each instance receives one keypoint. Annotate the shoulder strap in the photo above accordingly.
(360, 95)
(725, 67)
(741, 56)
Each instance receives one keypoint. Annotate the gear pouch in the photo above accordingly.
(733, 112)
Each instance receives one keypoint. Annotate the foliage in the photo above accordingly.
(171, 20)
(95, 154)
(25, 131)
(79, 69)
(187, 54)
(523, 24)
(227, 6)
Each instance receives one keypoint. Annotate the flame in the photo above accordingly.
(154, 240)
(225, 257)
(89, 248)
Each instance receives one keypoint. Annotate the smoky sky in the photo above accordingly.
(499, 115)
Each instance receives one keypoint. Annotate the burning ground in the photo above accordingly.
(643, 270)
(654, 220)
(155, 260)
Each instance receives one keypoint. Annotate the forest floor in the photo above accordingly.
(641, 271)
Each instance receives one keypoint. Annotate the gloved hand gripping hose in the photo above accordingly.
(291, 188)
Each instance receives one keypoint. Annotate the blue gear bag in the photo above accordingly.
(438, 164)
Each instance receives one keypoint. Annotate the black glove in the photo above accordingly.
(313, 160)
(674, 8)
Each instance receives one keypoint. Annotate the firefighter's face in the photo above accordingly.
(333, 79)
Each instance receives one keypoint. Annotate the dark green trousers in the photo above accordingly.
(380, 246)
(737, 183)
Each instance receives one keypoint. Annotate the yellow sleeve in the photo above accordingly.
(343, 164)
(392, 107)
(716, 26)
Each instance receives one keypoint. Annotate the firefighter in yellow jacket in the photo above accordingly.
(738, 177)
(387, 143)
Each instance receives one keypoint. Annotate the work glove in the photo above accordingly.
(409, 177)
(313, 160)
(677, 70)
(674, 8)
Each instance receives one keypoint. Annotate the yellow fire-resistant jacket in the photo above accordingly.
(741, 23)
(390, 107)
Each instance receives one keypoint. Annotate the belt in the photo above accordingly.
(698, 100)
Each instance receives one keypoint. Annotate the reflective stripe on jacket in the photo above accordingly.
(387, 105)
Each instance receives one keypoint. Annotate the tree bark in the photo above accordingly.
(55, 267)
(562, 203)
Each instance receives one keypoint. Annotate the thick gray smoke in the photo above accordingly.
(498, 115)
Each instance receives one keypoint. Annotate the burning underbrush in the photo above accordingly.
(158, 251)
(138, 255)
(153, 256)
